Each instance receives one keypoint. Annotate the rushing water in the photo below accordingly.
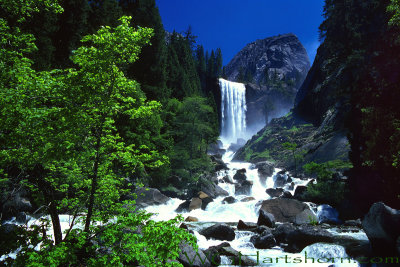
(233, 108)
(218, 211)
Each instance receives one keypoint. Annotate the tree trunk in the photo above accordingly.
(56, 223)
(94, 185)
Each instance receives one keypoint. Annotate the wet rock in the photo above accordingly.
(274, 192)
(265, 218)
(300, 192)
(291, 186)
(191, 219)
(195, 204)
(243, 188)
(282, 231)
(183, 207)
(21, 218)
(150, 197)
(205, 202)
(306, 235)
(229, 200)
(15, 204)
(213, 190)
(382, 226)
(263, 242)
(327, 214)
(240, 175)
(289, 179)
(213, 256)
(219, 163)
(354, 248)
(355, 223)
(246, 226)
(287, 194)
(236, 257)
(188, 257)
(263, 230)
(289, 210)
(280, 180)
(265, 170)
(247, 199)
(227, 180)
(219, 231)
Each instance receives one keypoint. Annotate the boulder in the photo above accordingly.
(236, 257)
(287, 194)
(188, 257)
(227, 180)
(243, 188)
(354, 223)
(219, 163)
(205, 202)
(327, 214)
(355, 248)
(191, 219)
(280, 179)
(229, 200)
(219, 231)
(265, 218)
(300, 192)
(246, 226)
(265, 170)
(14, 205)
(195, 204)
(382, 226)
(263, 230)
(274, 192)
(213, 190)
(289, 210)
(247, 199)
(240, 175)
(306, 235)
(184, 206)
(282, 231)
(149, 197)
(264, 241)
(213, 256)
(202, 195)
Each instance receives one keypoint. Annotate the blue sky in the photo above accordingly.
(231, 24)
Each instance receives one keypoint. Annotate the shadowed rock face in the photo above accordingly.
(283, 53)
(273, 70)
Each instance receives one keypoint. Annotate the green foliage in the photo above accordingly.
(312, 221)
(59, 128)
(327, 189)
(394, 8)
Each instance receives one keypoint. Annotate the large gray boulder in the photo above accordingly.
(382, 226)
(289, 210)
(219, 231)
(149, 197)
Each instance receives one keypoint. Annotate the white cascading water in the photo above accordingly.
(233, 110)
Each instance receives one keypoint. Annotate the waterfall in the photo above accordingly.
(233, 110)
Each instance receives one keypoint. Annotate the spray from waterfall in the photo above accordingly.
(233, 110)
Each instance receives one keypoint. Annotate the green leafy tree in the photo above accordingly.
(59, 129)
